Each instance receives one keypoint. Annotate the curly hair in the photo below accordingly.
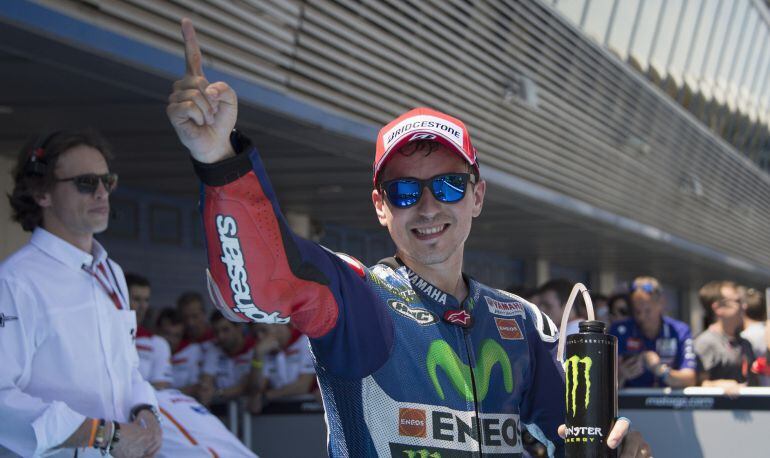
(33, 174)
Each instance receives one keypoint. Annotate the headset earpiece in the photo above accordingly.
(37, 163)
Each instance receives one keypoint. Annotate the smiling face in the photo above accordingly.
(67, 212)
(430, 232)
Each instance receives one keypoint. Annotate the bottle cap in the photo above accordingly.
(594, 326)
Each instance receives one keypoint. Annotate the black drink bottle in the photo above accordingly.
(592, 392)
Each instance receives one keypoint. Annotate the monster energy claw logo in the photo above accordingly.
(424, 453)
(574, 363)
(440, 354)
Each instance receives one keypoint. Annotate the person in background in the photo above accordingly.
(154, 351)
(653, 349)
(186, 356)
(620, 307)
(282, 365)
(724, 357)
(601, 308)
(70, 372)
(189, 429)
(193, 313)
(227, 366)
(754, 320)
(552, 296)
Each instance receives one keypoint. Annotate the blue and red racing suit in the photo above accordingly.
(404, 369)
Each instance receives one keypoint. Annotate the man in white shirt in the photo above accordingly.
(226, 368)
(186, 356)
(189, 429)
(70, 373)
(154, 351)
(282, 365)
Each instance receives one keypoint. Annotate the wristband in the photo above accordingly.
(108, 446)
(99, 437)
(115, 436)
(92, 434)
(135, 411)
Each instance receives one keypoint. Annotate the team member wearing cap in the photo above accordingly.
(70, 372)
(411, 354)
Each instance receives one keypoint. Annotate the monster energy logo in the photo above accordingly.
(574, 363)
(423, 453)
(440, 354)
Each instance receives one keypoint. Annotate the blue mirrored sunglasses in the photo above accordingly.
(648, 288)
(448, 188)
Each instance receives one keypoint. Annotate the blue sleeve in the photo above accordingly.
(543, 409)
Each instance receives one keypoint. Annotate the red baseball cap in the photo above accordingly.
(424, 124)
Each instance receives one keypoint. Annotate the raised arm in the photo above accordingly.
(259, 270)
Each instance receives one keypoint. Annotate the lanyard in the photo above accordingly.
(100, 274)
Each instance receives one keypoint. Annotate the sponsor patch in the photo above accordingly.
(424, 124)
(513, 308)
(412, 422)
(428, 289)
(458, 318)
(421, 316)
(634, 344)
(508, 329)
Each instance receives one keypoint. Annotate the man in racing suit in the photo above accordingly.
(413, 358)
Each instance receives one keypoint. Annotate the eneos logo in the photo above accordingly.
(412, 422)
(440, 354)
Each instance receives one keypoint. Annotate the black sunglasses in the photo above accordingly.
(89, 182)
(448, 188)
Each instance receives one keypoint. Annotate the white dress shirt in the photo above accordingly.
(67, 350)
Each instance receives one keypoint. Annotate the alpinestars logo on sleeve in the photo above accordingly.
(232, 258)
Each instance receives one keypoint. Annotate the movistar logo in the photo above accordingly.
(440, 354)
(573, 364)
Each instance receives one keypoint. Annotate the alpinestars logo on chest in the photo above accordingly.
(458, 318)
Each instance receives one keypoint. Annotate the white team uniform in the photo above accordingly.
(154, 357)
(66, 346)
(189, 430)
(186, 364)
(287, 365)
(229, 370)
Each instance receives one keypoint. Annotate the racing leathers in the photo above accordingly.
(404, 368)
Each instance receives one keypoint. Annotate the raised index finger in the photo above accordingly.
(192, 52)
